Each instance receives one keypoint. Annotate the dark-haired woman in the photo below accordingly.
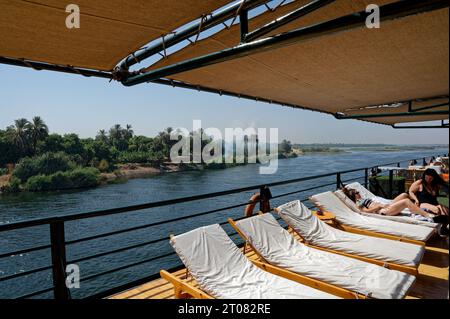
(424, 192)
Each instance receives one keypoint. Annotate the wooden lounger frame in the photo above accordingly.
(407, 269)
(182, 288)
(307, 281)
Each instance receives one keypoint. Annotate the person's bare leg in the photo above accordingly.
(400, 197)
(432, 208)
(443, 210)
(396, 208)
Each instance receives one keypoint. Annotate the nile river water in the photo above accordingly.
(173, 185)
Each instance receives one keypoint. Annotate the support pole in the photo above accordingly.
(338, 180)
(366, 177)
(243, 23)
(58, 252)
(264, 199)
(292, 16)
(391, 183)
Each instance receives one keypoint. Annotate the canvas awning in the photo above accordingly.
(406, 59)
(109, 30)
(356, 73)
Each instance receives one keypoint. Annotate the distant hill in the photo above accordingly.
(333, 148)
(346, 145)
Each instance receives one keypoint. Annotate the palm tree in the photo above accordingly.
(18, 134)
(102, 136)
(116, 135)
(38, 130)
(115, 132)
(128, 132)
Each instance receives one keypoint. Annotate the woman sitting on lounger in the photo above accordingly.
(424, 192)
(398, 204)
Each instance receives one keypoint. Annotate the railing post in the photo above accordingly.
(338, 180)
(264, 199)
(366, 178)
(391, 183)
(57, 238)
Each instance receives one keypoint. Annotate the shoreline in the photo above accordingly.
(128, 171)
(132, 171)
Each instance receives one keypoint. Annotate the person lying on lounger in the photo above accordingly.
(398, 204)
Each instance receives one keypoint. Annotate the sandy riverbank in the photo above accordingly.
(129, 171)
(4, 180)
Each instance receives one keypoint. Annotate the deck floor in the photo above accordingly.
(432, 281)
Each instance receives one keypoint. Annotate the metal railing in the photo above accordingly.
(58, 242)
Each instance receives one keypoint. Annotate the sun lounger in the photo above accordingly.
(279, 248)
(222, 271)
(405, 217)
(394, 254)
(357, 223)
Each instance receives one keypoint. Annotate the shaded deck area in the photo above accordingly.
(432, 281)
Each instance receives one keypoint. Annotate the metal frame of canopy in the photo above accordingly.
(411, 109)
(443, 125)
(391, 11)
(341, 116)
(413, 112)
(207, 22)
(251, 43)
(39, 66)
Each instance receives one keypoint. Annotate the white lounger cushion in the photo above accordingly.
(223, 271)
(318, 233)
(330, 202)
(405, 217)
(281, 249)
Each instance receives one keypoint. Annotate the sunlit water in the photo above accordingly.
(29, 206)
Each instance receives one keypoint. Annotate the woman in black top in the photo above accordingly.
(424, 192)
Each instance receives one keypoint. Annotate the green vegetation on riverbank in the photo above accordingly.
(316, 148)
(32, 159)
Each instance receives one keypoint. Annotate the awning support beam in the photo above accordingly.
(184, 34)
(430, 107)
(188, 86)
(281, 21)
(53, 67)
(443, 125)
(388, 12)
(341, 116)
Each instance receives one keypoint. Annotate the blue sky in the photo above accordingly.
(75, 104)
